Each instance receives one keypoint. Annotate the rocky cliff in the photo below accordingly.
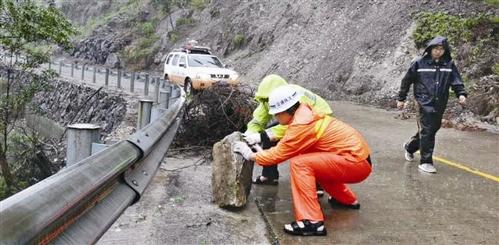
(356, 50)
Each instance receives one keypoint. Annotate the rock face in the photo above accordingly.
(67, 103)
(231, 174)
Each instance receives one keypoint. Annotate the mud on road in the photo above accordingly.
(177, 209)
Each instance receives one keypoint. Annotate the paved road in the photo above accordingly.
(401, 205)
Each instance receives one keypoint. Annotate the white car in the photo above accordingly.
(196, 68)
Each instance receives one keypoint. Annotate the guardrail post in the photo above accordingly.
(72, 69)
(146, 85)
(80, 139)
(118, 80)
(145, 107)
(60, 67)
(83, 72)
(164, 99)
(132, 82)
(94, 76)
(106, 78)
(156, 89)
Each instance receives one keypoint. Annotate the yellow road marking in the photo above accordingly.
(465, 168)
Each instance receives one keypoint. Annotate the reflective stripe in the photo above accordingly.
(321, 125)
(446, 69)
(427, 70)
(310, 96)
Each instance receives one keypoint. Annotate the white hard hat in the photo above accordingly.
(282, 98)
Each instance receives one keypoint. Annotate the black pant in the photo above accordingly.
(271, 171)
(424, 140)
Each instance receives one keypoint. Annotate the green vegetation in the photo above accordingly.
(495, 69)
(198, 4)
(474, 31)
(26, 28)
(166, 6)
(140, 54)
(239, 40)
(492, 2)
(142, 51)
(458, 30)
(131, 8)
(173, 36)
(146, 28)
(184, 21)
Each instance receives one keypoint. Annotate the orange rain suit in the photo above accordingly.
(323, 149)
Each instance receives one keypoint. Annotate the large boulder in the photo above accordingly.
(231, 174)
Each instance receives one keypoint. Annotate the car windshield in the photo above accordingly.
(204, 61)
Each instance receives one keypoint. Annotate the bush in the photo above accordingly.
(184, 21)
(239, 40)
(495, 69)
(173, 36)
(475, 32)
(147, 28)
(492, 2)
(198, 4)
(141, 54)
(458, 30)
(3, 189)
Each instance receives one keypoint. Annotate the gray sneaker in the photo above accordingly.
(408, 156)
(427, 168)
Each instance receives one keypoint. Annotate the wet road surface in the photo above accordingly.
(399, 204)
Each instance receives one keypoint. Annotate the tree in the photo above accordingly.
(25, 29)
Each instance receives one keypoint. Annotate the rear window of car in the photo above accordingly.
(182, 60)
(175, 60)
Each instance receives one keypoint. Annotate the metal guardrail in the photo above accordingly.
(113, 79)
(79, 203)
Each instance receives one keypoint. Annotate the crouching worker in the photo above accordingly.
(259, 132)
(320, 148)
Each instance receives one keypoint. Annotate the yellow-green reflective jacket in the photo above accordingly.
(261, 114)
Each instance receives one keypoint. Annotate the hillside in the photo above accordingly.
(356, 50)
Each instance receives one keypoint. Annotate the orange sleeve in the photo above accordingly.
(297, 139)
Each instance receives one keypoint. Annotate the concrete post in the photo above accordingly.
(50, 64)
(80, 139)
(145, 107)
(164, 99)
(146, 85)
(60, 67)
(72, 69)
(83, 72)
(132, 82)
(118, 80)
(94, 76)
(156, 89)
(106, 78)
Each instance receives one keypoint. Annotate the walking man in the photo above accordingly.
(432, 75)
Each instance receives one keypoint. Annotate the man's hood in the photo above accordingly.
(439, 40)
(268, 84)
